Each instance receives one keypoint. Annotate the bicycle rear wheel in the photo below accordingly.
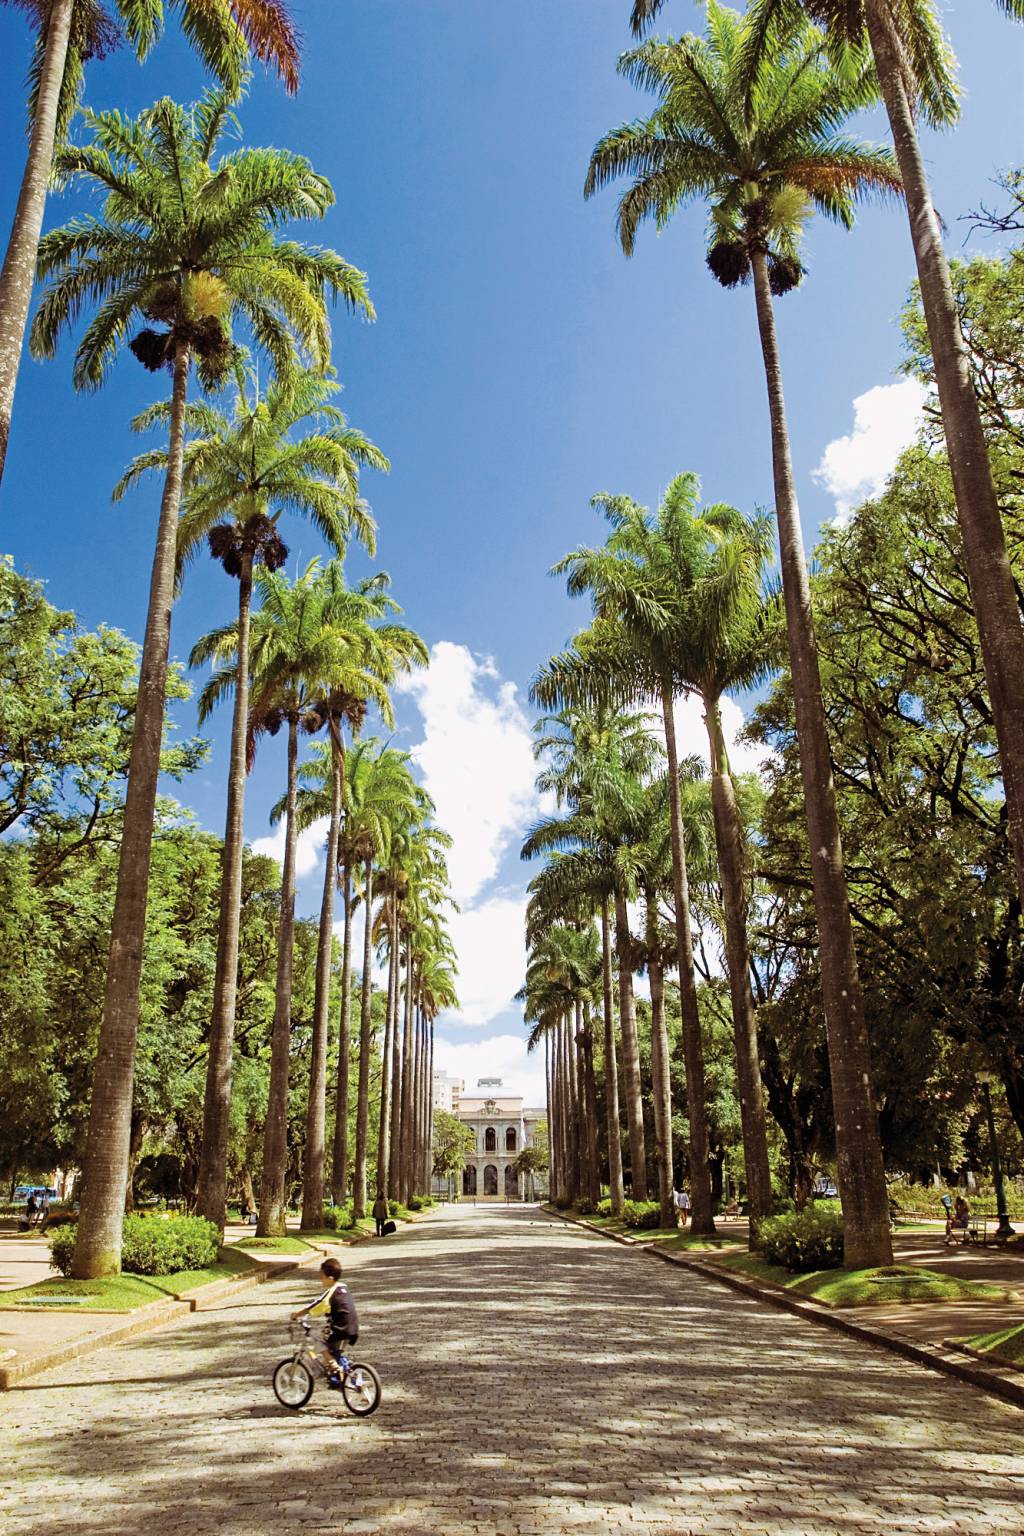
(293, 1383)
(361, 1390)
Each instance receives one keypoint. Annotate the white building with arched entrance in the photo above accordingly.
(502, 1126)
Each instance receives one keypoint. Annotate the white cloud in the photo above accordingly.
(309, 846)
(476, 760)
(886, 420)
(489, 939)
(503, 1056)
(692, 735)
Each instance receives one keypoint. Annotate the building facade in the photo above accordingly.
(447, 1092)
(502, 1126)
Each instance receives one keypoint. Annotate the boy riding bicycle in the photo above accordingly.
(335, 1301)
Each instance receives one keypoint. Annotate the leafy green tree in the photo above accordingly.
(189, 242)
(763, 144)
(240, 474)
(68, 33)
(453, 1142)
(67, 703)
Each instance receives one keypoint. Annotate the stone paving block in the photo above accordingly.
(760, 1426)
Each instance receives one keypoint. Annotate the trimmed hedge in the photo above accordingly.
(151, 1245)
(337, 1217)
(805, 1241)
(641, 1214)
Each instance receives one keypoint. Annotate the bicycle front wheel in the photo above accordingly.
(293, 1383)
(361, 1390)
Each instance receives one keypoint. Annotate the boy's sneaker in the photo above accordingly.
(334, 1380)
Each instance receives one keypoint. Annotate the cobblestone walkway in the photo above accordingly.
(537, 1380)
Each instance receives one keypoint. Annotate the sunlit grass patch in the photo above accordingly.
(893, 1283)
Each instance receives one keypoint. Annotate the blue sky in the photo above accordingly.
(518, 364)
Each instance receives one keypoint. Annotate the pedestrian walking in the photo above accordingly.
(380, 1213)
(681, 1201)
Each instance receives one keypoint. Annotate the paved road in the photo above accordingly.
(538, 1381)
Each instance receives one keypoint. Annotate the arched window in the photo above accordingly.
(510, 1139)
(490, 1140)
(469, 1179)
(490, 1180)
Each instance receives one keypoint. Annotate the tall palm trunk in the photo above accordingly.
(572, 1119)
(421, 1055)
(858, 1146)
(316, 1106)
(105, 1165)
(19, 268)
(565, 1100)
(211, 1194)
(365, 1041)
(660, 1064)
(390, 1033)
(562, 1181)
(611, 1069)
(702, 1220)
(339, 1159)
(586, 1071)
(993, 591)
(733, 873)
(550, 1101)
(404, 1154)
(275, 1134)
(395, 1148)
(429, 1155)
(630, 1052)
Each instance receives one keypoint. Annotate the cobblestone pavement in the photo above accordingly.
(538, 1381)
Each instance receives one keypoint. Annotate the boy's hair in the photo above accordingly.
(332, 1268)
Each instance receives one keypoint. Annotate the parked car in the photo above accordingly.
(23, 1191)
(825, 1189)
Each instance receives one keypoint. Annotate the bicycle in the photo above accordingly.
(294, 1378)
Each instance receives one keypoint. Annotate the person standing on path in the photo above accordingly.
(380, 1212)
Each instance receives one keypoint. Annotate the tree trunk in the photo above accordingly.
(554, 1191)
(993, 592)
(211, 1199)
(395, 1147)
(732, 870)
(611, 1070)
(590, 1103)
(572, 1110)
(390, 1034)
(365, 1041)
(248, 1193)
(275, 1133)
(316, 1107)
(339, 1160)
(858, 1146)
(630, 1052)
(19, 268)
(662, 1084)
(105, 1165)
(430, 1112)
(404, 1159)
(702, 1221)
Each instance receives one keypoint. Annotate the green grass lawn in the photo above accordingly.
(869, 1287)
(122, 1293)
(1006, 1346)
(342, 1234)
(287, 1244)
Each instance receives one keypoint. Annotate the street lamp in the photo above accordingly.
(1003, 1229)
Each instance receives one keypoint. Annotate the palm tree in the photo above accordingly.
(380, 792)
(915, 69)
(680, 607)
(599, 758)
(247, 469)
(763, 150)
(302, 648)
(68, 33)
(438, 992)
(189, 242)
(377, 651)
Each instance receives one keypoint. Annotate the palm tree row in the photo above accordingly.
(680, 606)
(751, 121)
(186, 259)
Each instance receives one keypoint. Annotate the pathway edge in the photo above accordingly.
(949, 1361)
